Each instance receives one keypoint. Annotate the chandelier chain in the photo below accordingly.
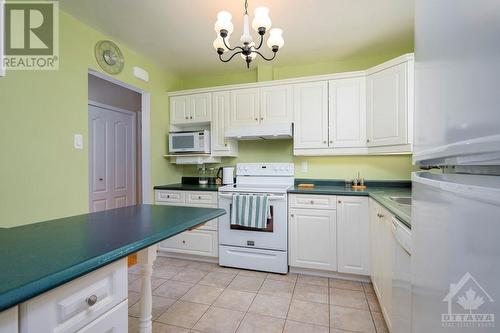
(246, 7)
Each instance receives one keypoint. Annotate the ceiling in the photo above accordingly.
(178, 34)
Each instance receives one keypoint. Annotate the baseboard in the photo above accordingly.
(328, 274)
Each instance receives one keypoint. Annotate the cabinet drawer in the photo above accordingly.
(170, 196)
(313, 201)
(197, 242)
(66, 308)
(210, 225)
(115, 320)
(204, 198)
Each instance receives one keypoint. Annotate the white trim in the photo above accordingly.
(361, 151)
(110, 107)
(2, 41)
(325, 77)
(145, 132)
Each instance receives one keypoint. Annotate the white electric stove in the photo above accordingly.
(250, 248)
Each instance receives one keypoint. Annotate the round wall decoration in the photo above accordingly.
(109, 56)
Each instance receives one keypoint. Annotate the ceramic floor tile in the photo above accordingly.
(290, 277)
(202, 294)
(132, 277)
(373, 303)
(166, 272)
(173, 289)
(268, 305)
(351, 319)
(368, 287)
(297, 327)
(183, 314)
(277, 288)
(380, 324)
(217, 279)
(246, 283)
(235, 300)
(133, 324)
(346, 284)
(253, 323)
(137, 284)
(245, 272)
(309, 312)
(217, 320)
(160, 305)
(311, 293)
(315, 280)
(133, 297)
(226, 269)
(348, 298)
(165, 261)
(164, 328)
(202, 266)
(190, 275)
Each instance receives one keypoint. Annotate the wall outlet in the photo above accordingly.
(304, 167)
(78, 141)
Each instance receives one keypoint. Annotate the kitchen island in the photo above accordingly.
(41, 258)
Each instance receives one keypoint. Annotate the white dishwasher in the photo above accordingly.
(401, 278)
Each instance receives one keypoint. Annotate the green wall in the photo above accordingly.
(336, 167)
(41, 175)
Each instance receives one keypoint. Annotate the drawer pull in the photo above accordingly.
(312, 202)
(199, 197)
(91, 300)
(168, 196)
(183, 242)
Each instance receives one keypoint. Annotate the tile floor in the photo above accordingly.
(190, 296)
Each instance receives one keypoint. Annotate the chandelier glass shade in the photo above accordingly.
(248, 50)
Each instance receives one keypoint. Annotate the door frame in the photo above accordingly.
(144, 126)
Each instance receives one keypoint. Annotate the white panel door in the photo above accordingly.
(310, 115)
(220, 120)
(353, 240)
(276, 104)
(180, 109)
(244, 107)
(112, 158)
(387, 115)
(347, 112)
(201, 107)
(313, 237)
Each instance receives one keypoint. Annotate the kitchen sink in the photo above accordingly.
(401, 200)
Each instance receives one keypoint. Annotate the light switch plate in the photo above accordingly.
(78, 141)
(304, 167)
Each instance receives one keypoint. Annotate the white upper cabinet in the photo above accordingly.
(244, 107)
(221, 146)
(310, 115)
(187, 109)
(276, 104)
(347, 113)
(387, 103)
(353, 239)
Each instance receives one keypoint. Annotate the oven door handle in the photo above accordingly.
(271, 197)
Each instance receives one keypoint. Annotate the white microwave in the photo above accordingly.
(189, 142)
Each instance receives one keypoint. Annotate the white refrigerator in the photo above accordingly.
(455, 260)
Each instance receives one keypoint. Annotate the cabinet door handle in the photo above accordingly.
(191, 117)
(367, 140)
(225, 145)
(256, 119)
(261, 118)
(340, 201)
(331, 141)
(187, 117)
(324, 141)
(291, 215)
(91, 300)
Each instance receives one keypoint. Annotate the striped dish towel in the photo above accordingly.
(250, 210)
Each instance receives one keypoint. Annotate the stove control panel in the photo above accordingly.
(265, 169)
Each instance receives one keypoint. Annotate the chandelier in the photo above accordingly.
(249, 51)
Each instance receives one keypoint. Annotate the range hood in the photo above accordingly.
(261, 132)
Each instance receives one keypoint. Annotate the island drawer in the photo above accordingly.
(170, 197)
(204, 198)
(313, 201)
(114, 320)
(75, 304)
(197, 242)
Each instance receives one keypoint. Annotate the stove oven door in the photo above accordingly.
(274, 237)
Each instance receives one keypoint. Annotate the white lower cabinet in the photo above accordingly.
(9, 320)
(313, 235)
(111, 322)
(87, 300)
(200, 241)
(382, 248)
(329, 233)
(353, 242)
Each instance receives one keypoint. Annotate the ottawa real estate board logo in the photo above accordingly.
(30, 35)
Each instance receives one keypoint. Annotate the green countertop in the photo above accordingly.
(188, 187)
(379, 191)
(38, 257)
